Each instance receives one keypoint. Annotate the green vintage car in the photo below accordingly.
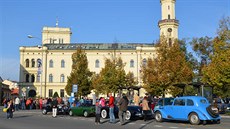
(82, 110)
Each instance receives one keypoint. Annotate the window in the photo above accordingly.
(27, 77)
(39, 63)
(170, 42)
(144, 62)
(61, 92)
(60, 41)
(203, 101)
(168, 16)
(33, 63)
(27, 63)
(32, 78)
(97, 64)
(190, 102)
(50, 78)
(50, 92)
(131, 63)
(168, 7)
(179, 102)
(62, 64)
(51, 64)
(62, 78)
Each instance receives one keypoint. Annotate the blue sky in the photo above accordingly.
(98, 21)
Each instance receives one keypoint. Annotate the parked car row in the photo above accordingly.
(194, 109)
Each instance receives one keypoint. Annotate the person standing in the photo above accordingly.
(10, 110)
(97, 112)
(145, 107)
(111, 109)
(123, 105)
(54, 107)
(136, 99)
(17, 102)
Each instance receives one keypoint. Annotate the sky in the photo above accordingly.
(99, 21)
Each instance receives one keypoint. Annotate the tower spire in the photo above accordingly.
(168, 24)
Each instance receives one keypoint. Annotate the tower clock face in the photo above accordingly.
(169, 29)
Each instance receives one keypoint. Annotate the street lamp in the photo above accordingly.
(40, 64)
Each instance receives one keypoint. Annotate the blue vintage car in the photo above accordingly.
(194, 109)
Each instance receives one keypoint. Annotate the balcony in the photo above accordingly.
(165, 21)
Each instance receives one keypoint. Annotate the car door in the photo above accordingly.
(178, 109)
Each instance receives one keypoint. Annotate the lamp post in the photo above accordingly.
(40, 64)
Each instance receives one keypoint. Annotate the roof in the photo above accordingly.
(98, 46)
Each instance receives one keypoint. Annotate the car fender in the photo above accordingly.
(202, 115)
(163, 113)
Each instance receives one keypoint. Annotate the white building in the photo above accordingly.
(56, 51)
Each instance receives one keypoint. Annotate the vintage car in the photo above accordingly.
(61, 109)
(132, 112)
(190, 108)
(82, 110)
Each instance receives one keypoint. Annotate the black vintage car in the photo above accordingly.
(61, 109)
(132, 112)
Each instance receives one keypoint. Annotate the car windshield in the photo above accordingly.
(167, 101)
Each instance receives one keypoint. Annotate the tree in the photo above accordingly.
(111, 77)
(80, 74)
(55, 95)
(169, 68)
(213, 56)
(217, 72)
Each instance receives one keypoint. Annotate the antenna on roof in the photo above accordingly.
(56, 21)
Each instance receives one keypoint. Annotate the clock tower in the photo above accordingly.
(168, 24)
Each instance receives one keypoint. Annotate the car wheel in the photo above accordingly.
(158, 116)
(85, 114)
(71, 113)
(104, 114)
(194, 119)
(44, 112)
(128, 115)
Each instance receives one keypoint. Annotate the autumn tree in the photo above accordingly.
(111, 77)
(169, 68)
(217, 72)
(80, 74)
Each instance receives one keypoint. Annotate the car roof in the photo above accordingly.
(191, 97)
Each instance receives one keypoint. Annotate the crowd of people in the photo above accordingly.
(121, 102)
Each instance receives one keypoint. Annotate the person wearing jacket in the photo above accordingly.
(111, 108)
(54, 107)
(10, 110)
(123, 106)
(97, 112)
(145, 107)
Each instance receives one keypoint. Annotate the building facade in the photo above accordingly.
(44, 69)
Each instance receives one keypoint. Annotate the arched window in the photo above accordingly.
(168, 16)
(32, 78)
(33, 63)
(144, 62)
(168, 7)
(62, 64)
(39, 63)
(62, 78)
(27, 77)
(97, 64)
(131, 63)
(27, 63)
(51, 65)
(170, 42)
(50, 78)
